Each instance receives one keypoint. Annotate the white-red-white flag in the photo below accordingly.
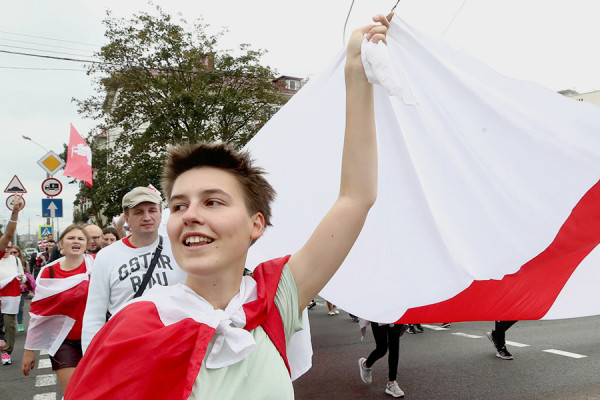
(55, 307)
(79, 158)
(487, 197)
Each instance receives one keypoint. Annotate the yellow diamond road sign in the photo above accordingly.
(51, 163)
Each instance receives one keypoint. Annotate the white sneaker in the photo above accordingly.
(365, 373)
(394, 390)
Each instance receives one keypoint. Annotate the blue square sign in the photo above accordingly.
(52, 208)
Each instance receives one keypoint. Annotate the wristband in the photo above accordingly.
(10, 220)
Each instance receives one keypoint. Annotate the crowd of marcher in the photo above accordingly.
(106, 299)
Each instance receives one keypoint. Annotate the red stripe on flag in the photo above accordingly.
(71, 302)
(529, 293)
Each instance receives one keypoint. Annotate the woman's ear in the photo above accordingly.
(258, 226)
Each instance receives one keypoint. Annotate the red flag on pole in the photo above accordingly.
(79, 158)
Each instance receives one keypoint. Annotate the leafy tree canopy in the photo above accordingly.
(162, 81)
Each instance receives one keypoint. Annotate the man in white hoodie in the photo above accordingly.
(119, 269)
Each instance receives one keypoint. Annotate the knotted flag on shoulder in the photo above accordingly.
(178, 338)
(487, 197)
(55, 307)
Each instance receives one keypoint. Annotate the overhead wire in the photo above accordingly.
(39, 44)
(453, 18)
(45, 51)
(48, 38)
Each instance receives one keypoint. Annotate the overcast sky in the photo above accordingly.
(550, 42)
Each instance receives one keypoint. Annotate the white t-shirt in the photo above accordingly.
(117, 274)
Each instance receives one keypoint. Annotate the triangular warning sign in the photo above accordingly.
(15, 186)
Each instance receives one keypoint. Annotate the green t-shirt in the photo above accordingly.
(262, 375)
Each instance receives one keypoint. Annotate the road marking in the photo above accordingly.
(45, 396)
(45, 380)
(44, 363)
(467, 335)
(43, 352)
(564, 353)
(517, 344)
(435, 328)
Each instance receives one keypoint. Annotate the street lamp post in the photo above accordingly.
(47, 174)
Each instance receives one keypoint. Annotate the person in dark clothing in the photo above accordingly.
(387, 336)
(498, 339)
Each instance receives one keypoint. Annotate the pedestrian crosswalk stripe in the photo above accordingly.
(43, 352)
(45, 396)
(467, 335)
(516, 344)
(44, 363)
(435, 328)
(564, 353)
(45, 380)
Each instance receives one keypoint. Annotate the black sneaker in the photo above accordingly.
(490, 336)
(504, 354)
(411, 329)
(418, 328)
(311, 304)
(445, 325)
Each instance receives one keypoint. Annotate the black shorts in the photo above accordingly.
(68, 355)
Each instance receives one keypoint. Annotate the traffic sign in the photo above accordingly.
(15, 186)
(10, 202)
(51, 163)
(51, 187)
(52, 208)
(45, 231)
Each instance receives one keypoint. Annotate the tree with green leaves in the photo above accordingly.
(162, 82)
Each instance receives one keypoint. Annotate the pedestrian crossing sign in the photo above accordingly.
(45, 231)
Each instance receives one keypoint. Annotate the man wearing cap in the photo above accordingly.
(119, 269)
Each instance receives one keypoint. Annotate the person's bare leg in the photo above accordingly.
(64, 374)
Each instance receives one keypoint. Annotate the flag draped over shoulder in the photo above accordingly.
(79, 158)
(487, 198)
(55, 307)
(10, 285)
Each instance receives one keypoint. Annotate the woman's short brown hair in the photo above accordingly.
(258, 192)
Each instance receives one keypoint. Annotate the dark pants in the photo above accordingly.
(499, 331)
(386, 336)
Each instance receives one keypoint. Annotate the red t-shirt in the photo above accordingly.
(75, 333)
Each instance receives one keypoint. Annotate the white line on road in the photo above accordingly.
(435, 328)
(44, 363)
(45, 380)
(43, 352)
(565, 353)
(517, 344)
(45, 396)
(467, 335)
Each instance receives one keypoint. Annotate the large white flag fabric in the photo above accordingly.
(488, 194)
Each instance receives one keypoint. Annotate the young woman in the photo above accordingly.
(109, 236)
(58, 305)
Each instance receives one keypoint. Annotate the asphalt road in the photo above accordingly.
(454, 364)
(457, 363)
